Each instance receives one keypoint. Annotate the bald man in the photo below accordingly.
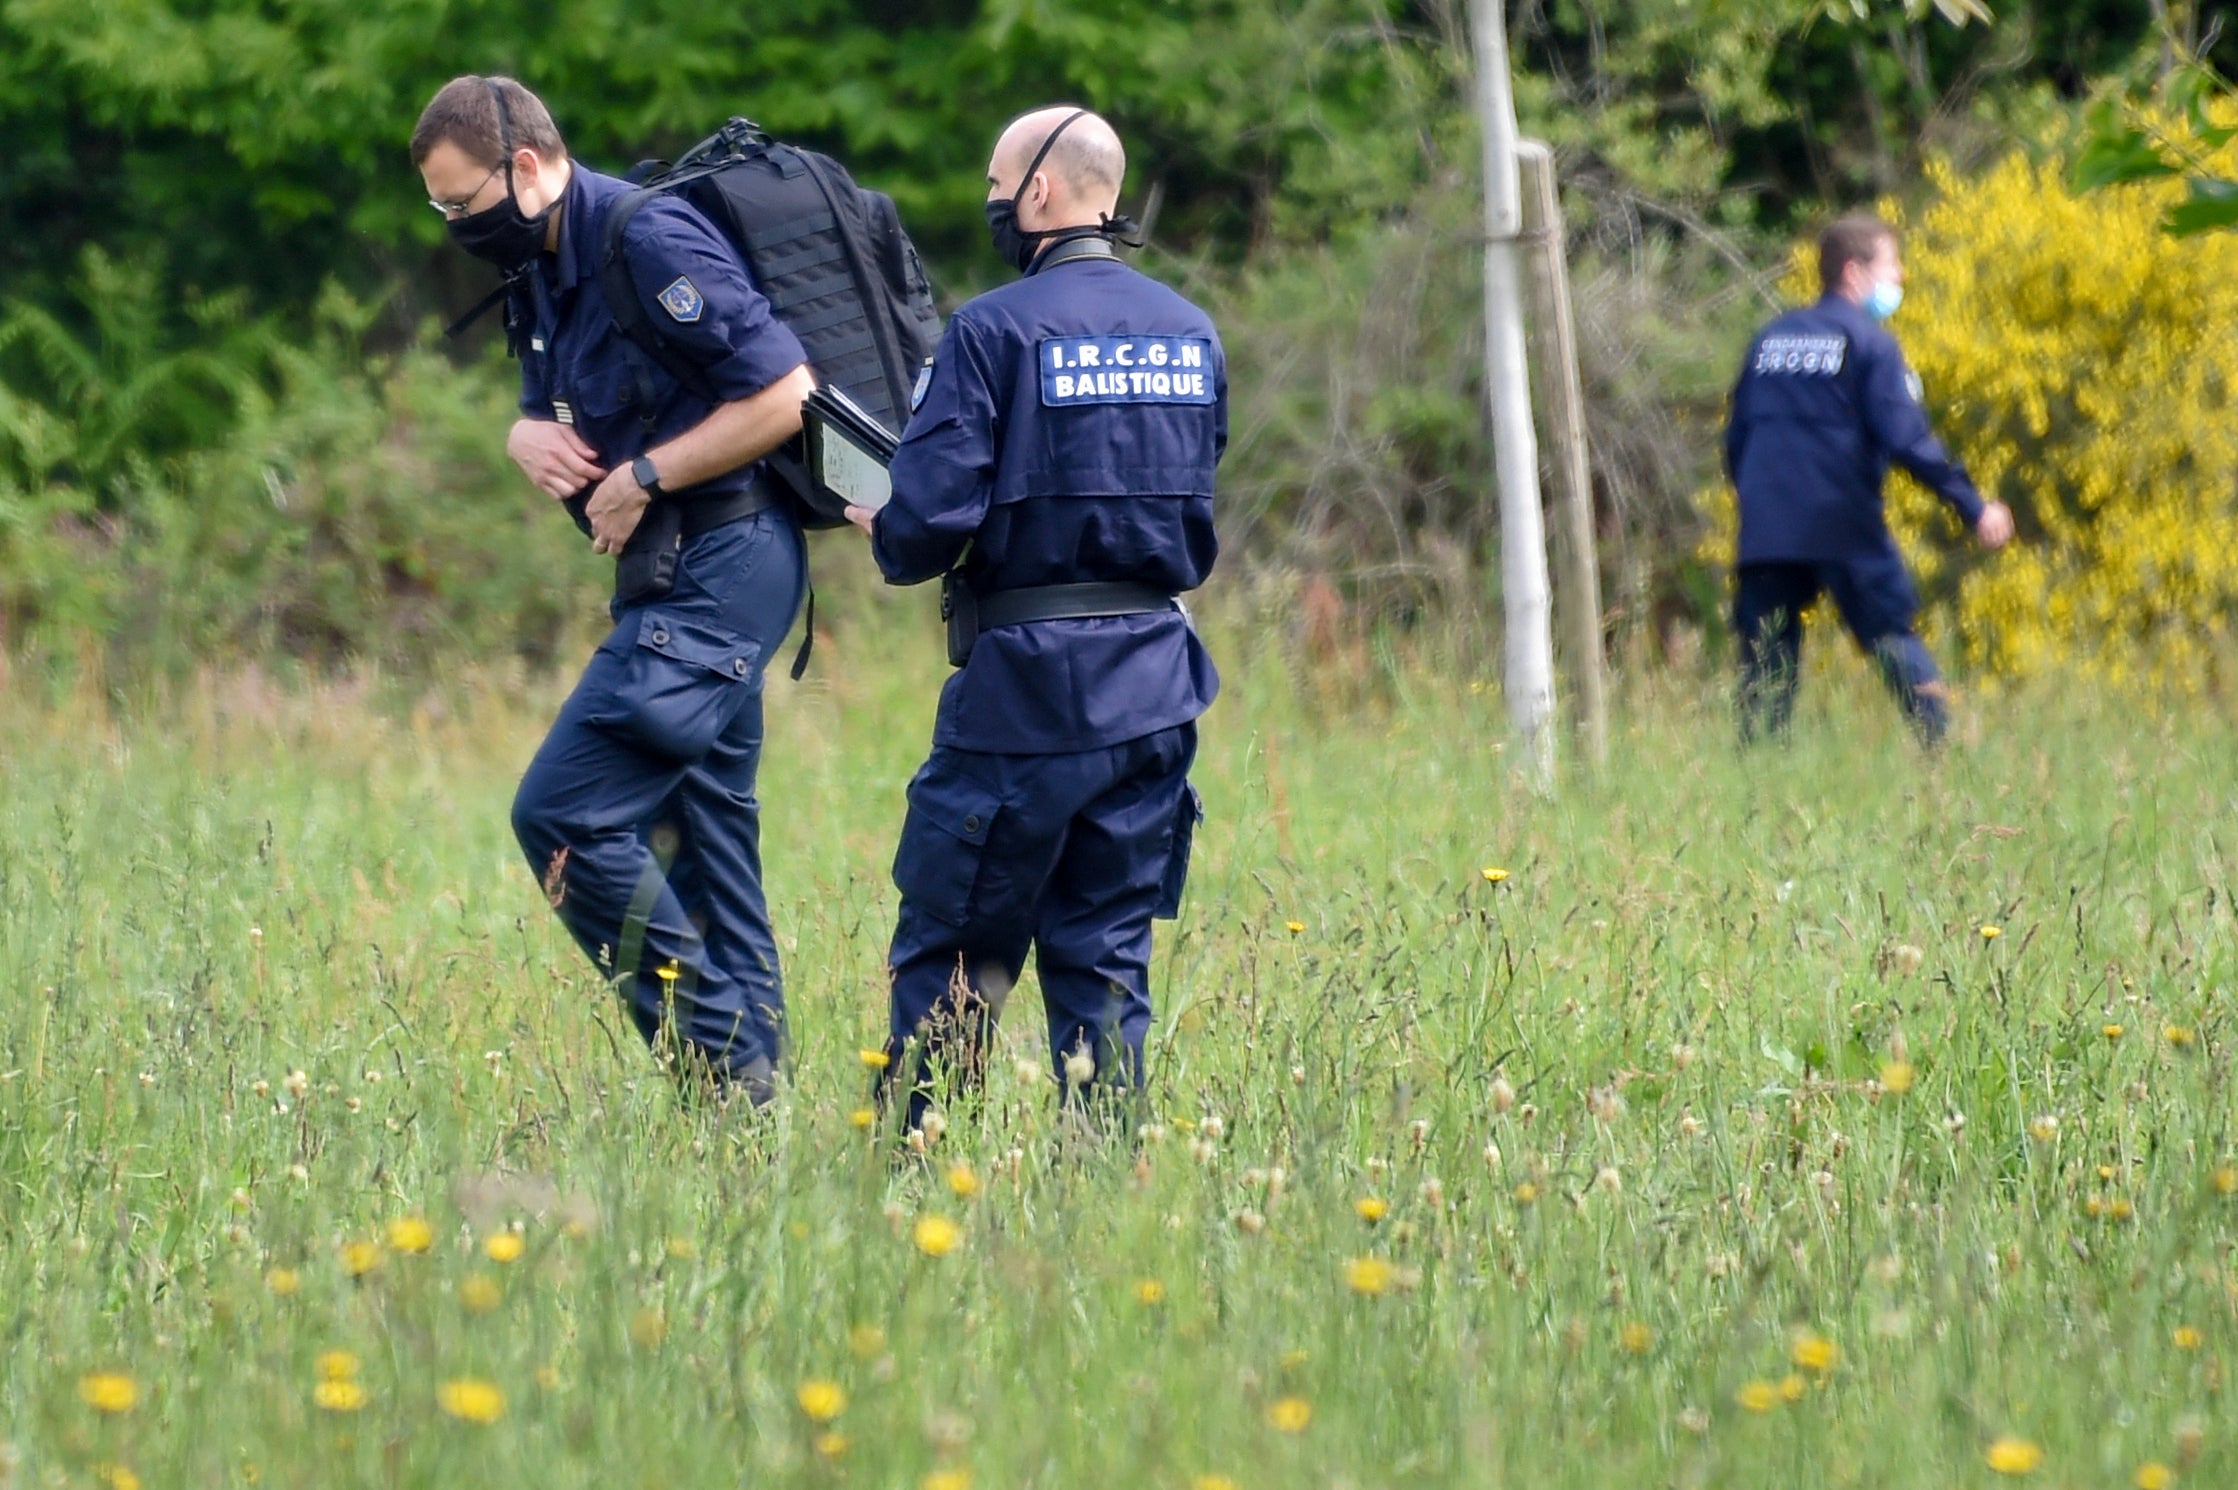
(1056, 474)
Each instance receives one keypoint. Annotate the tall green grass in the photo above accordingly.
(1626, 1120)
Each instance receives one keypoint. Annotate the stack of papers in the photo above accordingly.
(847, 451)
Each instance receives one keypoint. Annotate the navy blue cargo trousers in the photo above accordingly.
(638, 815)
(1071, 854)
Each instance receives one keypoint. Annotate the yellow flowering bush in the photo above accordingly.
(2082, 364)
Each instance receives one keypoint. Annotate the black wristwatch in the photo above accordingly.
(647, 475)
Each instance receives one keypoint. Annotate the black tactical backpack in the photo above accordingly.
(830, 256)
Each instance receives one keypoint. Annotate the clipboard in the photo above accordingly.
(848, 451)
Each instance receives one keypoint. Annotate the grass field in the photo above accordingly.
(1828, 1118)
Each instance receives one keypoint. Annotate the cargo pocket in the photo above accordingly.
(1186, 817)
(937, 865)
(681, 685)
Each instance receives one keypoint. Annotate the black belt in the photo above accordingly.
(709, 513)
(1070, 603)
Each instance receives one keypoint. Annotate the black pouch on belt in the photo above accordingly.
(646, 569)
(960, 609)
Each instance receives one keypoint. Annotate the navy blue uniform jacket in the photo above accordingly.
(1824, 403)
(697, 294)
(1068, 433)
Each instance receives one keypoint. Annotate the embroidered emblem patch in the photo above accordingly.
(1125, 370)
(683, 301)
(924, 381)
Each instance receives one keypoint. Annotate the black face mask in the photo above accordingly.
(503, 234)
(1017, 247)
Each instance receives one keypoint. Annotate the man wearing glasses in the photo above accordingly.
(638, 814)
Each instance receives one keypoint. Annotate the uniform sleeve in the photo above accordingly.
(1899, 426)
(1736, 419)
(699, 297)
(944, 471)
(1219, 401)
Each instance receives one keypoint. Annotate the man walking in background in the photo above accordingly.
(1058, 471)
(1824, 404)
(661, 740)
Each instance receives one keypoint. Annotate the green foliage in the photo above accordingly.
(2195, 118)
(238, 490)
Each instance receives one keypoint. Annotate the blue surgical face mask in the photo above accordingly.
(1881, 301)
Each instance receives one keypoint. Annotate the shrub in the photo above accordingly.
(2081, 362)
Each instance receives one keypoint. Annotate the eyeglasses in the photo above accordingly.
(458, 206)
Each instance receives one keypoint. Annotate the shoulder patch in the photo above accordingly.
(924, 381)
(683, 301)
(1125, 370)
(1914, 386)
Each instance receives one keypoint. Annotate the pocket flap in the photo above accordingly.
(689, 640)
(962, 808)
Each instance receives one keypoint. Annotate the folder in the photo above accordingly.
(847, 451)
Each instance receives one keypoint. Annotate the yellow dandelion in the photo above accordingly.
(1150, 1293)
(361, 1258)
(1368, 1275)
(1289, 1414)
(2111, 1031)
(962, 1182)
(866, 1340)
(2120, 1209)
(1635, 1338)
(338, 1396)
(821, 1399)
(946, 1479)
(411, 1234)
(876, 1060)
(832, 1444)
(1897, 1077)
(648, 1328)
(1813, 1352)
(2184, 1337)
(1793, 1387)
(2153, 1475)
(282, 1282)
(1757, 1396)
(1991, 933)
(1294, 927)
(681, 1248)
(936, 1236)
(116, 1477)
(2014, 1456)
(2179, 1036)
(504, 1246)
(337, 1365)
(864, 1117)
(108, 1391)
(471, 1400)
(2094, 1206)
(1212, 1482)
(1525, 1193)
(478, 1293)
(2225, 1180)
(1494, 875)
(1371, 1209)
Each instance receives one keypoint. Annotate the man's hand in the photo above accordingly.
(862, 517)
(614, 510)
(1995, 529)
(553, 456)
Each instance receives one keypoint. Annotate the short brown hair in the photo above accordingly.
(465, 112)
(1849, 240)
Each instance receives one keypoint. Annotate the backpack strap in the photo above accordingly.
(628, 309)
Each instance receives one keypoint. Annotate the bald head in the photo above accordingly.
(1075, 185)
